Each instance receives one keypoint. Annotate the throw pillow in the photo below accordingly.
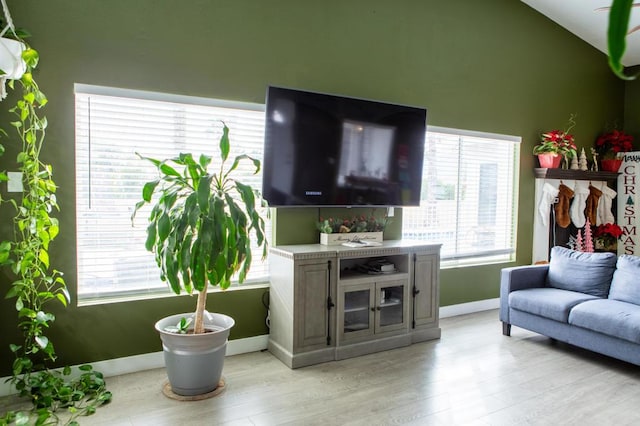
(588, 273)
(625, 285)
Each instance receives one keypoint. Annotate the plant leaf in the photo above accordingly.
(61, 297)
(42, 341)
(147, 190)
(617, 36)
(44, 257)
(164, 226)
(151, 237)
(204, 192)
(31, 57)
(204, 161)
(224, 143)
(198, 270)
(168, 170)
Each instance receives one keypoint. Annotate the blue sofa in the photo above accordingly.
(590, 300)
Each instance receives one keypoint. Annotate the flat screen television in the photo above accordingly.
(328, 150)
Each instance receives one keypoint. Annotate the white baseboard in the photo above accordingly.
(469, 308)
(135, 363)
(248, 344)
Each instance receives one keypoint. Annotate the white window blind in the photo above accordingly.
(469, 196)
(111, 126)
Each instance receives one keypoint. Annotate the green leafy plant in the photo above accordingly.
(53, 391)
(558, 141)
(182, 327)
(360, 223)
(198, 229)
(35, 228)
(35, 283)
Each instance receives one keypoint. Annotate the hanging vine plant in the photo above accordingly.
(617, 32)
(36, 284)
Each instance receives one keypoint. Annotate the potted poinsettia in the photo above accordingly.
(556, 145)
(610, 146)
(199, 231)
(606, 236)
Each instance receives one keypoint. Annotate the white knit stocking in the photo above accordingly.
(581, 192)
(549, 195)
(604, 214)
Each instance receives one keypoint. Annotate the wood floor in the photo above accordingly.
(472, 376)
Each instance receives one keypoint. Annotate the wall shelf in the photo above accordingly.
(541, 173)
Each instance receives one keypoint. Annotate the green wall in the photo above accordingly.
(632, 106)
(494, 66)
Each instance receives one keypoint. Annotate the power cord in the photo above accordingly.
(553, 215)
(265, 303)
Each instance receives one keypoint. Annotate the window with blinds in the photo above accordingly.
(111, 126)
(469, 196)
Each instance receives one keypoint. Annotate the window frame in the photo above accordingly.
(488, 257)
(151, 291)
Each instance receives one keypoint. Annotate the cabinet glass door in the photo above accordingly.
(391, 306)
(356, 310)
(357, 319)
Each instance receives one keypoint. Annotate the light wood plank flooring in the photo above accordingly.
(471, 376)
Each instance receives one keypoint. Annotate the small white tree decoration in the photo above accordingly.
(583, 161)
(574, 164)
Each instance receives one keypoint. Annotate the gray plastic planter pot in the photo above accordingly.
(194, 361)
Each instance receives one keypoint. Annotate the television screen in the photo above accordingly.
(328, 150)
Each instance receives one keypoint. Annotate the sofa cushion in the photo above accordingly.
(550, 303)
(625, 285)
(607, 316)
(589, 273)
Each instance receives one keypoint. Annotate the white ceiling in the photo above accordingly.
(582, 19)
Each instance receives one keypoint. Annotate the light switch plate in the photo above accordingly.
(14, 184)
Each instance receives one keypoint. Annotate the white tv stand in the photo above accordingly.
(323, 307)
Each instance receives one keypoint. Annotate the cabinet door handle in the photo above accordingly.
(373, 309)
(378, 308)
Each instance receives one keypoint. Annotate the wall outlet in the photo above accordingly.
(14, 184)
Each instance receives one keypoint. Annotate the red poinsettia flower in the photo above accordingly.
(558, 141)
(608, 145)
(608, 230)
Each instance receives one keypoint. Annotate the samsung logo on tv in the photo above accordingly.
(312, 192)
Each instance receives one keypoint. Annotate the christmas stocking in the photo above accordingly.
(581, 191)
(565, 194)
(604, 214)
(549, 194)
(591, 205)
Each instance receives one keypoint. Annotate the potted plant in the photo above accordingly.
(610, 146)
(356, 228)
(606, 237)
(32, 279)
(555, 145)
(199, 231)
